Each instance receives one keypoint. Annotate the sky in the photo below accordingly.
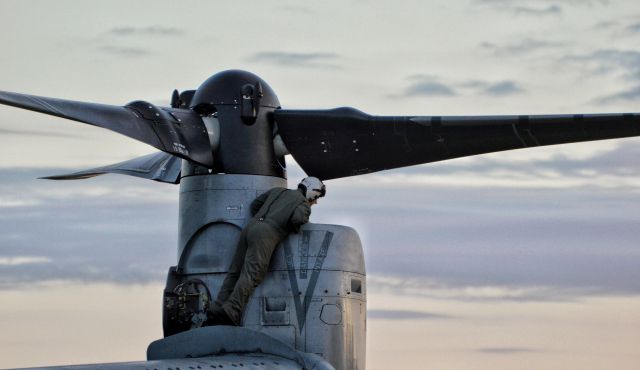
(526, 259)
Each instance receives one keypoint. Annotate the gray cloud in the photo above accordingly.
(506, 350)
(540, 8)
(428, 88)
(503, 88)
(526, 3)
(126, 235)
(611, 60)
(431, 86)
(543, 244)
(606, 25)
(296, 9)
(403, 315)
(634, 28)
(308, 60)
(538, 12)
(632, 94)
(126, 51)
(521, 47)
(146, 31)
(530, 243)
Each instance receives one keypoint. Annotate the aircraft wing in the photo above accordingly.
(162, 167)
(345, 142)
(217, 347)
(180, 132)
(225, 361)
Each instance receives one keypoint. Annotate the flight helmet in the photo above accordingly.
(312, 188)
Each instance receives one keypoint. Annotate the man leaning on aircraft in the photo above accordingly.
(276, 213)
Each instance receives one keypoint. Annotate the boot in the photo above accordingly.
(218, 316)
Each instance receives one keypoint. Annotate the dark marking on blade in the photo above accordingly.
(631, 119)
(45, 105)
(437, 131)
(515, 131)
(524, 127)
(421, 120)
(436, 125)
(579, 120)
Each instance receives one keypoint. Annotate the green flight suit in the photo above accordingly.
(276, 213)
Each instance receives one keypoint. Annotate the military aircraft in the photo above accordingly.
(225, 143)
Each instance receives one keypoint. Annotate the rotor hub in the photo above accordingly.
(233, 87)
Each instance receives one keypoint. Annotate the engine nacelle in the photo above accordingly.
(314, 295)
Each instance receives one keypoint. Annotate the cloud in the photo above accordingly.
(611, 60)
(440, 231)
(422, 85)
(506, 350)
(432, 288)
(37, 133)
(403, 315)
(634, 28)
(606, 25)
(307, 60)
(521, 47)
(428, 88)
(539, 8)
(22, 260)
(126, 51)
(537, 12)
(494, 242)
(632, 94)
(116, 230)
(296, 9)
(146, 31)
(503, 88)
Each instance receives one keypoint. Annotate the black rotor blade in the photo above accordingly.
(162, 167)
(180, 132)
(345, 142)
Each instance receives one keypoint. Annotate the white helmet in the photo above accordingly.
(312, 188)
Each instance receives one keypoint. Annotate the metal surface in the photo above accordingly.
(176, 131)
(227, 339)
(246, 361)
(162, 167)
(346, 142)
(314, 295)
(213, 210)
(246, 149)
(225, 88)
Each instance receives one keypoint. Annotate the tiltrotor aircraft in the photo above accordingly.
(225, 143)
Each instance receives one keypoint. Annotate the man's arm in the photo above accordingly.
(300, 216)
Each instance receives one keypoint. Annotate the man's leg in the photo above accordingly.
(262, 241)
(234, 269)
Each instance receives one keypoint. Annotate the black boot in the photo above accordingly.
(218, 316)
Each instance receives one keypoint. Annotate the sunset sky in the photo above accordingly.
(527, 259)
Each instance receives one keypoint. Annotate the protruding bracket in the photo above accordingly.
(250, 103)
(175, 99)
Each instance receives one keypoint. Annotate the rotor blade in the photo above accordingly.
(162, 167)
(345, 142)
(180, 132)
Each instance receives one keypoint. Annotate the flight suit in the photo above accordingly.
(276, 213)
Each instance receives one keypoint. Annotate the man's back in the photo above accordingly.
(284, 209)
